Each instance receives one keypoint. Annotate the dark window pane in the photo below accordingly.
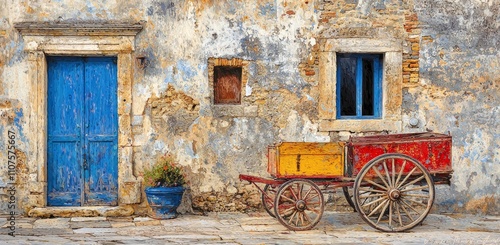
(227, 85)
(347, 86)
(368, 93)
(359, 85)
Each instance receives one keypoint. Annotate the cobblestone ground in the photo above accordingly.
(252, 228)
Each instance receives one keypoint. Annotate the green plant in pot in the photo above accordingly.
(164, 183)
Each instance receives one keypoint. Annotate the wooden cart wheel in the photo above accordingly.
(393, 192)
(268, 198)
(299, 204)
(348, 193)
(349, 196)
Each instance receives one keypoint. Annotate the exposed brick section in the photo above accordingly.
(411, 58)
(310, 72)
(326, 16)
(427, 39)
(309, 67)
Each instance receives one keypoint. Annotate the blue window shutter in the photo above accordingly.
(359, 86)
(377, 88)
(337, 87)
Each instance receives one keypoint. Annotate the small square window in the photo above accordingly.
(227, 84)
(359, 86)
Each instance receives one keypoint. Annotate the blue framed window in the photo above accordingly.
(359, 86)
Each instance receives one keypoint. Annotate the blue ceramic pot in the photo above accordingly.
(164, 201)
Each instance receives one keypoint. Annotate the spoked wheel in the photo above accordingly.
(348, 193)
(393, 192)
(268, 198)
(299, 204)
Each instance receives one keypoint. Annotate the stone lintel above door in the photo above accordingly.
(88, 38)
(78, 28)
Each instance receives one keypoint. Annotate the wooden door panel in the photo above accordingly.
(100, 96)
(64, 96)
(64, 131)
(64, 184)
(101, 131)
(102, 187)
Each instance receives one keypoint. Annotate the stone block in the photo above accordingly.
(136, 130)
(130, 192)
(142, 219)
(125, 131)
(86, 219)
(96, 230)
(33, 177)
(24, 225)
(122, 224)
(120, 211)
(60, 212)
(251, 111)
(37, 187)
(137, 120)
(36, 200)
(228, 110)
(406, 69)
(148, 223)
(52, 223)
(309, 72)
(90, 224)
(124, 107)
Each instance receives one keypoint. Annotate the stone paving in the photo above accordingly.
(251, 228)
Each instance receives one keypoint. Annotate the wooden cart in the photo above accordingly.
(388, 179)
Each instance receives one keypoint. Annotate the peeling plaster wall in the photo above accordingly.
(459, 92)
(451, 80)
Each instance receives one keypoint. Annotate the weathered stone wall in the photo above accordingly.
(459, 92)
(450, 82)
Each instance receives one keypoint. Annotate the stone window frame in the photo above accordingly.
(231, 110)
(43, 39)
(392, 83)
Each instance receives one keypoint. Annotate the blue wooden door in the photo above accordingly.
(82, 160)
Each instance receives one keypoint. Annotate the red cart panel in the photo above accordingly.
(433, 150)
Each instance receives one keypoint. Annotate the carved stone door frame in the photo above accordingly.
(43, 39)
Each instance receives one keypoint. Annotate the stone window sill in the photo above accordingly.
(235, 110)
(360, 125)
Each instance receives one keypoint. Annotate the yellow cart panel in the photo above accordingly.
(306, 160)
